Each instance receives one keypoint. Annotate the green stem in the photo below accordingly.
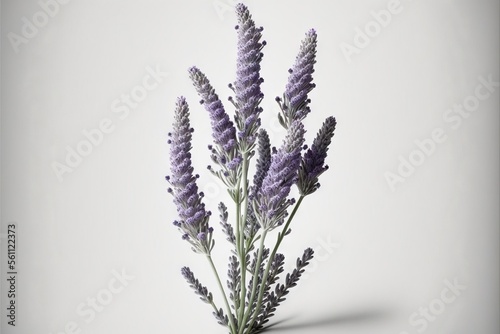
(255, 282)
(228, 308)
(281, 235)
(238, 234)
(241, 231)
(238, 215)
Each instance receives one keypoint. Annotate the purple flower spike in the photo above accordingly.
(191, 211)
(313, 163)
(295, 104)
(263, 161)
(282, 174)
(248, 80)
(223, 131)
(262, 166)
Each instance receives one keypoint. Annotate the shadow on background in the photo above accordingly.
(354, 317)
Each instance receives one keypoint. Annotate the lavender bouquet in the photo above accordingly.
(253, 289)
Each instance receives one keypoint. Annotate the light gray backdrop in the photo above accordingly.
(405, 226)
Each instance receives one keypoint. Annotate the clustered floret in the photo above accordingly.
(313, 162)
(194, 219)
(248, 94)
(295, 102)
(224, 152)
(272, 199)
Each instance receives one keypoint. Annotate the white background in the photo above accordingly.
(393, 248)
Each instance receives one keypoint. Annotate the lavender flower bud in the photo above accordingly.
(262, 166)
(223, 131)
(263, 161)
(248, 80)
(195, 284)
(233, 282)
(313, 162)
(295, 105)
(282, 174)
(191, 211)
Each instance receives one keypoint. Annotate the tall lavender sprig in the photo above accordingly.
(295, 102)
(248, 96)
(270, 206)
(193, 218)
(224, 152)
(313, 162)
(271, 202)
(248, 80)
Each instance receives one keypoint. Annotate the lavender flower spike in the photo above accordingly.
(295, 104)
(248, 80)
(282, 174)
(194, 218)
(313, 162)
(263, 161)
(223, 132)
